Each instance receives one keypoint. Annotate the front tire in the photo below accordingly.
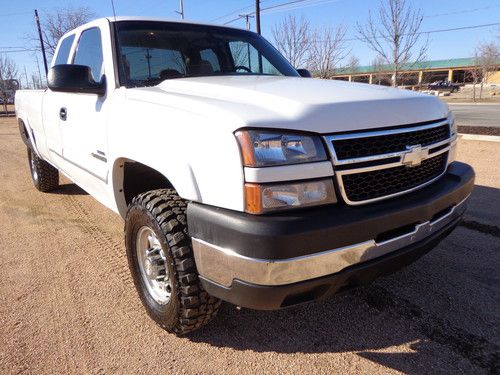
(162, 263)
(44, 176)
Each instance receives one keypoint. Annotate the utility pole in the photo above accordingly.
(37, 19)
(39, 73)
(181, 9)
(247, 17)
(257, 22)
(148, 58)
(257, 15)
(26, 76)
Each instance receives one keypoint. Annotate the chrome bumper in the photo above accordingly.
(222, 265)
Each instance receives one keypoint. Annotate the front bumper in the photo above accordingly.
(274, 261)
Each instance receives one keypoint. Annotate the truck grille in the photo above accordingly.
(382, 182)
(384, 144)
(376, 165)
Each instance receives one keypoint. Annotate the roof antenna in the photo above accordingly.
(113, 6)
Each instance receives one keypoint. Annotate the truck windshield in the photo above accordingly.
(150, 52)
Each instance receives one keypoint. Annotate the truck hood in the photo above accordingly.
(322, 106)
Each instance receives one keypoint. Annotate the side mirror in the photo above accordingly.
(74, 78)
(304, 73)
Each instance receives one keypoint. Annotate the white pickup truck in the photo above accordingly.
(239, 178)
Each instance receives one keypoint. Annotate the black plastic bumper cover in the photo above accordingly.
(260, 297)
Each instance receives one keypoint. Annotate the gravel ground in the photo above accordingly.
(68, 305)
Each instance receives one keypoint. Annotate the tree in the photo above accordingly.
(292, 37)
(8, 75)
(328, 49)
(35, 81)
(395, 35)
(379, 68)
(475, 74)
(486, 60)
(352, 64)
(56, 24)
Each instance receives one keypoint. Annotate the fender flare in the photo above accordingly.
(188, 190)
(27, 136)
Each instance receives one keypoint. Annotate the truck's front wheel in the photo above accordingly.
(45, 177)
(162, 264)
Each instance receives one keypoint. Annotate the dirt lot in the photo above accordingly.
(10, 108)
(67, 303)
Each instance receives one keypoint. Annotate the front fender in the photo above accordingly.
(200, 158)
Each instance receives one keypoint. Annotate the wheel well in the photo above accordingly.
(139, 178)
(24, 134)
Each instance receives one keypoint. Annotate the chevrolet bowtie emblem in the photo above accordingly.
(414, 156)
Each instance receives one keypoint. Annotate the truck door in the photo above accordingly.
(51, 103)
(83, 118)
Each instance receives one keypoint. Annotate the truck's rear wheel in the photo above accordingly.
(162, 264)
(45, 177)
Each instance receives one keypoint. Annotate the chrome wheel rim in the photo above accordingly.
(152, 264)
(34, 173)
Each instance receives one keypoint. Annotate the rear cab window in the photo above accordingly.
(143, 64)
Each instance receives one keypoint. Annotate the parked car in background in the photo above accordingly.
(443, 86)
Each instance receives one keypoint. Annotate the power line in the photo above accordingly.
(283, 4)
(269, 7)
(230, 14)
(460, 28)
(464, 11)
(14, 14)
(236, 11)
(300, 6)
(293, 5)
(21, 50)
(423, 32)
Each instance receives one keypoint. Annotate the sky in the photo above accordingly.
(17, 20)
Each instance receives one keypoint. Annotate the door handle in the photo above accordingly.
(63, 114)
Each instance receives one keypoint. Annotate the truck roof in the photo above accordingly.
(139, 18)
(162, 19)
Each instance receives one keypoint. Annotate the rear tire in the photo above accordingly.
(44, 176)
(159, 248)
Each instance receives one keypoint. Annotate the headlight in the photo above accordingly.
(273, 197)
(262, 148)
